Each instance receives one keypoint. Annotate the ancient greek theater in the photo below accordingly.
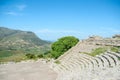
(75, 64)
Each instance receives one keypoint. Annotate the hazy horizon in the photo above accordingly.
(52, 19)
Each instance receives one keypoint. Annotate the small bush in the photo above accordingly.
(30, 56)
(40, 56)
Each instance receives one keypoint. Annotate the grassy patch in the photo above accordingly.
(13, 58)
(5, 54)
(57, 62)
(101, 50)
(96, 51)
(115, 49)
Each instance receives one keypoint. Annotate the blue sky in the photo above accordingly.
(52, 19)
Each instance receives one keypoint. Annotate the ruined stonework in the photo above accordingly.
(76, 66)
(115, 41)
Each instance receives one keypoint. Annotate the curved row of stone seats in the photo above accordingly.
(55, 67)
(99, 62)
(84, 61)
(61, 67)
(77, 63)
(107, 74)
(107, 60)
(81, 60)
(72, 63)
(66, 66)
(103, 74)
(89, 64)
(104, 61)
(91, 60)
(116, 54)
(112, 63)
(115, 58)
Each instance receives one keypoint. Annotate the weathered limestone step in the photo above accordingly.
(75, 59)
(56, 68)
(90, 62)
(81, 64)
(114, 58)
(117, 54)
(59, 68)
(82, 60)
(92, 59)
(105, 61)
(64, 67)
(75, 63)
(111, 61)
(89, 65)
(100, 63)
(70, 65)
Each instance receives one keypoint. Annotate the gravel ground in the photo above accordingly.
(30, 70)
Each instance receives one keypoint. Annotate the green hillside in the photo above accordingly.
(16, 43)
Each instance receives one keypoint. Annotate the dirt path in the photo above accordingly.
(26, 71)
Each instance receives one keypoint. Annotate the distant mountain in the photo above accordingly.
(21, 41)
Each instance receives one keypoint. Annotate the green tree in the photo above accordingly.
(62, 45)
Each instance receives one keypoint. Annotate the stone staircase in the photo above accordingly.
(85, 67)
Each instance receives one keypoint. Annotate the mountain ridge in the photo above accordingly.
(14, 42)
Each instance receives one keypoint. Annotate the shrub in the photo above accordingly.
(30, 56)
(62, 45)
(40, 56)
